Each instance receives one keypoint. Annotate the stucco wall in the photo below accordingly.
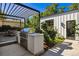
(61, 19)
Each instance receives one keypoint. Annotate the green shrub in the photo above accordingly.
(58, 40)
(18, 29)
(44, 26)
(52, 33)
(49, 34)
(6, 27)
(38, 30)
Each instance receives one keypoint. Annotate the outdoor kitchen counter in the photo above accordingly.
(35, 43)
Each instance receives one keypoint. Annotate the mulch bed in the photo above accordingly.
(48, 46)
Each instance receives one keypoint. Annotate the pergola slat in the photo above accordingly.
(8, 8)
(1, 7)
(20, 11)
(4, 8)
(16, 10)
(11, 8)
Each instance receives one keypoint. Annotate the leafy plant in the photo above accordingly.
(33, 23)
(77, 29)
(49, 34)
(73, 6)
(6, 27)
(58, 40)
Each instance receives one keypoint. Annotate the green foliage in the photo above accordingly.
(77, 29)
(61, 10)
(6, 27)
(55, 9)
(33, 23)
(44, 26)
(50, 10)
(58, 40)
(38, 30)
(49, 34)
(17, 28)
(1, 15)
(74, 6)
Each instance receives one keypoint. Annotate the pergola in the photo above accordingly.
(17, 11)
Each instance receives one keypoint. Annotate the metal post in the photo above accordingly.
(20, 23)
(39, 21)
(24, 22)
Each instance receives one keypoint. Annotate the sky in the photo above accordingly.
(41, 6)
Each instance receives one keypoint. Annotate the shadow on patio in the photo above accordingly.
(57, 50)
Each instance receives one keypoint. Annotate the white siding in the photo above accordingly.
(62, 18)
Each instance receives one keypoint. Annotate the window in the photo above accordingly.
(50, 22)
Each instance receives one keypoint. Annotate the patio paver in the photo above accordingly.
(13, 50)
(67, 48)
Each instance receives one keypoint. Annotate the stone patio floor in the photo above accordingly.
(67, 48)
(13, 50)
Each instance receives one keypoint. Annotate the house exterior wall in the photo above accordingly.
(61, 19)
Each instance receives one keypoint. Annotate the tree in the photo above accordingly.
(33, 22)
(41, 14)
(74, 6)
(61, 10)
(52, 9)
